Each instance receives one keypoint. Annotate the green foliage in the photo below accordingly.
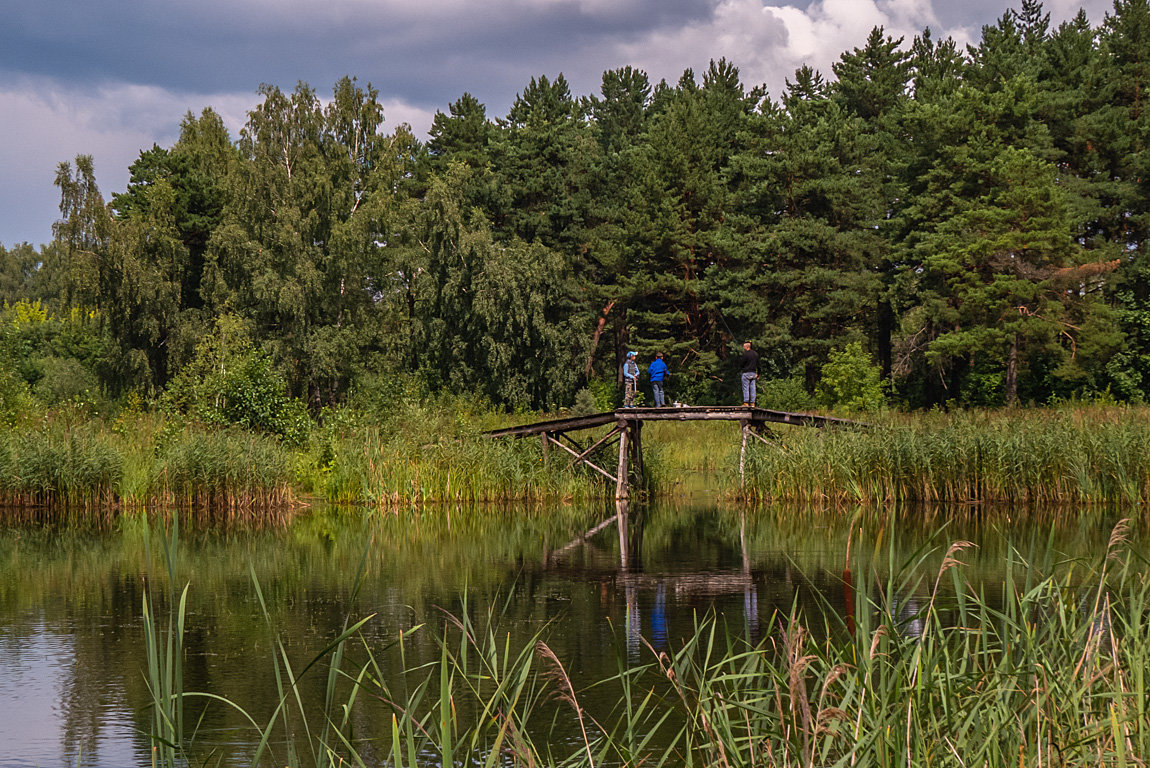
(229, 381)
(15, 399)
(978, 217)
(57, 359)
(789, 394)
(850, 380)
(607, 397)
(585, 403)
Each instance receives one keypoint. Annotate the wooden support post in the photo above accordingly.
(743, 454)
(546, 446)
(637, 450)
(624, 538)
(622, 486)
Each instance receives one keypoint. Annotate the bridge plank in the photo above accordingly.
(691, 413)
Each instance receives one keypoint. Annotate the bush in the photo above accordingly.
(229, 381)
(851, 381)
(785, 395)
(585, 403)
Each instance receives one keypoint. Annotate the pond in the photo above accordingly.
(605, 590)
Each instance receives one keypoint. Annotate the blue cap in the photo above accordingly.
(630, 354)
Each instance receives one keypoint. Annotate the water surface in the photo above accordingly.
(72, 655)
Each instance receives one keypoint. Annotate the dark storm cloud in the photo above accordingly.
(110, 77)
(419, 52)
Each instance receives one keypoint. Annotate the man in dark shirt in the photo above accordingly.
(750, 367)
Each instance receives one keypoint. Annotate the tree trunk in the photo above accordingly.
(595, 339)
(1012, 373)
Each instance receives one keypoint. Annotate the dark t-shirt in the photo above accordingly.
(750, 361)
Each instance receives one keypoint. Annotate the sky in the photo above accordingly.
(110, 78)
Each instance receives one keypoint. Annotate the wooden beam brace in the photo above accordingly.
(762, 439)
(600, 470)
(573, 441)
(603, 440)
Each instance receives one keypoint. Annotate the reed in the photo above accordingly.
(1050, 668)
(433, 453)
(93, 470)
(60, 465)
(1091, 455)
(929, 671)
(430, 454)
(225, 474)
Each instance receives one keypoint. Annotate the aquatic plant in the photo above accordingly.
(1038, 457)
(920, 668)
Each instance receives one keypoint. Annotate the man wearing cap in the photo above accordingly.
(630, 379)
(657, 371)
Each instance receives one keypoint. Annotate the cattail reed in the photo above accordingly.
(1039, 457)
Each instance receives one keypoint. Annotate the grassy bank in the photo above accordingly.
(68, 464)
(1044, 456)
(434, 453)
(90, 467)
(1052, 668)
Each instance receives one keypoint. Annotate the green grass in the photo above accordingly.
(94, 469)
(434, 453)
(1050, 667)
(1020, 457)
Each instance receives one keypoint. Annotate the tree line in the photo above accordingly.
(974, 219)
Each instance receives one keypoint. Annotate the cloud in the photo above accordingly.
(768, 42)
(45, 124)
(112, 77)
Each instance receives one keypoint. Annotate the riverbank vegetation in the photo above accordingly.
(71, 464)
(921, 668)
(932, 228)
(1025, 457)
(432, 452)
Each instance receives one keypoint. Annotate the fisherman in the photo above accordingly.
(630, 380)
(657, 371)
(749, 363)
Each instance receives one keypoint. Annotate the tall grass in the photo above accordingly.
(1049, 669)
(1038, 457)
(434, 452)
(426, 454)
(92, 468)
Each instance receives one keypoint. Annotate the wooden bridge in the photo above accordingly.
(627, 430)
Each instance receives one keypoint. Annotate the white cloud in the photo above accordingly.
(768, 42)
(44, 125)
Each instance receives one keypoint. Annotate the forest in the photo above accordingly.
(970, 222)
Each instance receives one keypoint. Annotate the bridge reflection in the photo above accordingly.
(757, 591)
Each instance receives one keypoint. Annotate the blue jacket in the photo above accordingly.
(657, 370)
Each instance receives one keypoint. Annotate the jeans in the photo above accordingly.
(657, 390)
(749, 381)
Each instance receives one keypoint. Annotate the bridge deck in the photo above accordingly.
(692, 413)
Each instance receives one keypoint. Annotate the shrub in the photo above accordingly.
(785, 395)
(229, 381)
(851, 381)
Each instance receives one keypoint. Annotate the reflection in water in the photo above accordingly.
(46, 716)
(71, 650)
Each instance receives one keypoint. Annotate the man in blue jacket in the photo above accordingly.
(657, 370)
